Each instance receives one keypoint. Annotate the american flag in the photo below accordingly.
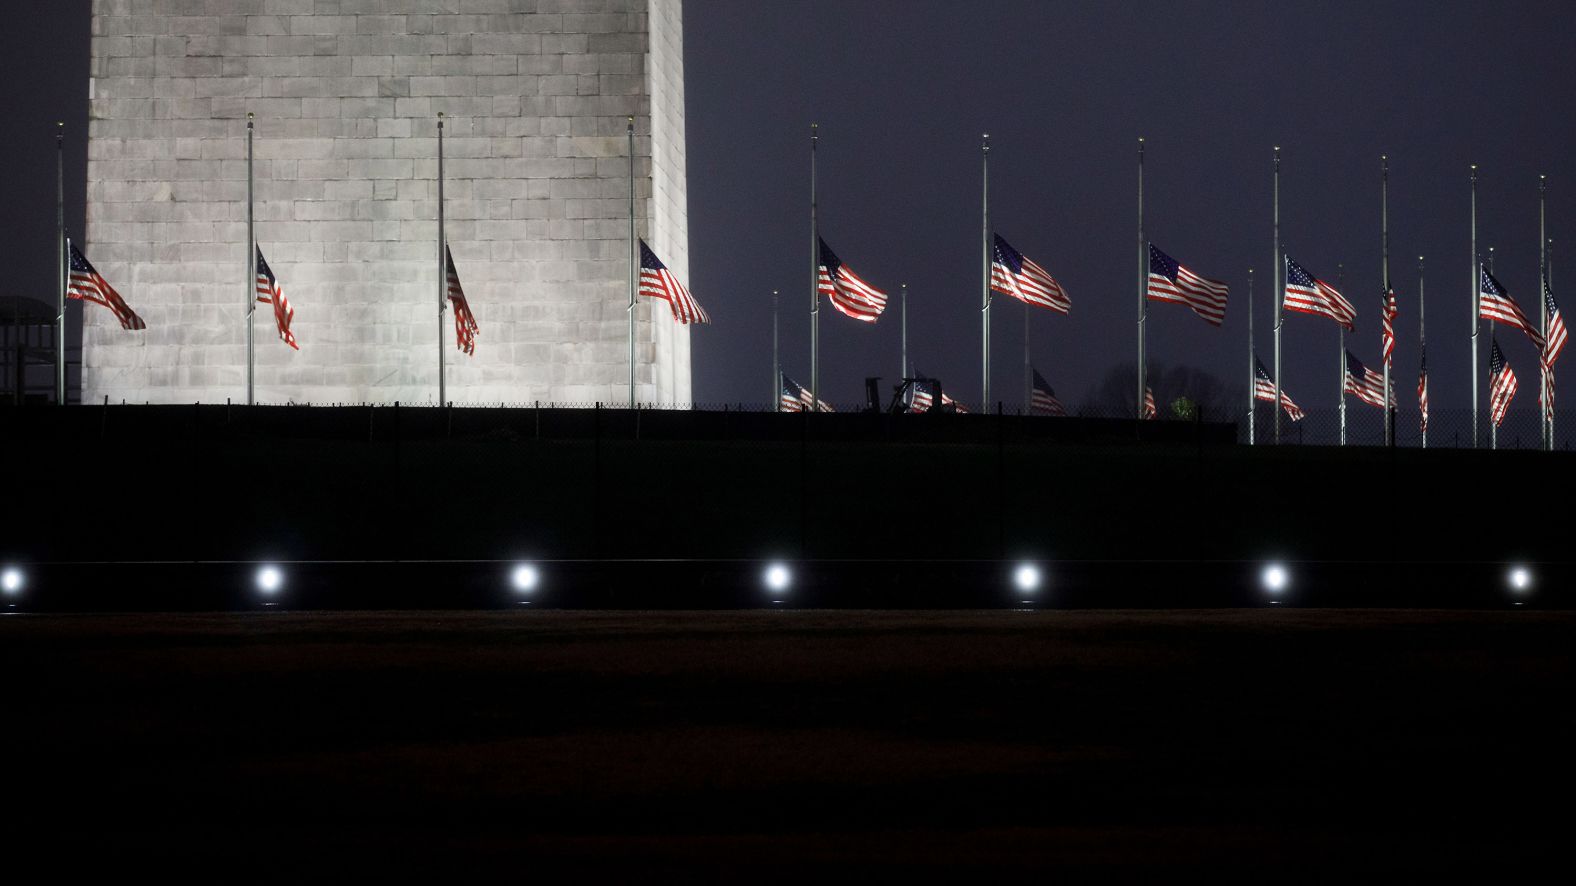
(1042, 399)
(1387, 337)
(1494, 303)
(1502, 385)
(795, 398)
(658, 282)
(1554, 330)
(1308, 294)
(465, 327)
(952, 404)
(1149, 404)
(269, 292)
(1169, 281)
(1366, 384)
(1012, 274)
(847, 292)
(1422, 389)
(1264, 389)
(86, 284)
(920, 398)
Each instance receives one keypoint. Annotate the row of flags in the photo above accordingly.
(86, 284)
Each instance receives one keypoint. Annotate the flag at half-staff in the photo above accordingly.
(1422, 390)
(1496, 304)
(1364, 383)
(794, 398)
(1308, 294)
(949, 403)
(465, 327)
(658, 282)
(1149, 403)
(1169, 281)
(920, 396)
(847, 291)
(1264, 389)
(1042, 399)
(1501, 384)
(1012, 274)
(1387, 334)
(1554, 342)
(86, 284)
(269, 292)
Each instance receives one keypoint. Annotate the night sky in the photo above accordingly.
(902, 92)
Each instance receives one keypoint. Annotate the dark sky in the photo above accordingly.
(902, 92)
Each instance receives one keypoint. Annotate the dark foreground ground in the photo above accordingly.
(281, 745)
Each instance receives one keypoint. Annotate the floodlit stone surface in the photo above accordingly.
(536, 94)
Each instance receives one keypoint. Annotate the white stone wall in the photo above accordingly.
(346, 93)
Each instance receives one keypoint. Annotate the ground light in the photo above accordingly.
(270, 579)
(777, 578)
(525, 578)
(12, 580)
(1520, 580)
(1026, 578)
(1275, 579)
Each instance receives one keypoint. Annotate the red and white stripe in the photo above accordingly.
(1149, 404)
(1264, 389)
(1321, 299)
(1207, 298)
(465, 328)
(1503, 309)
(86, 284)
(660, 283)
(1034, 285)
(1044, 403)
(270, 292)
(851, 295)
(1387, 334)
(1502, 389)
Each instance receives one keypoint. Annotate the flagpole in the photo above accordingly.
(1278, 271)
(60, 264)
(1028, 368)
(1142, 264)
(1493, 429)
(1252, 374)
(815, 287)
(634, 260)
(443, 269)
(1340, 283)
(985, 270)
(1476, 285)
(1422, 334)
(777, 377)
(1543, 314)
(903, 372)
(251, 267)
(1384, 225)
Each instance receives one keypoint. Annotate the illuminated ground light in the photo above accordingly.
(270, 579)
(525, 578)
(1275, 579)
(1026, 578)
(12, 580)
(777, 578)
(1520, 580)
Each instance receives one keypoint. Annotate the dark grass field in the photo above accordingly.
(780, 744)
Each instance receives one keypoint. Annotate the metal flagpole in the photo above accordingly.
(251, 266)
(1028, 367)
(1340, 283)
(815, 287)
(985, 270)
(1543, 312)
(903, 372)
(777, 376)
(1142, 277)
(1384, 225)
(443, 269)
(1252, 373)
(60, 264)
(634, 261)
(1474, 303)
(1422, 331)
(1278, 271)
(1493, 429)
